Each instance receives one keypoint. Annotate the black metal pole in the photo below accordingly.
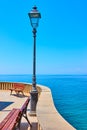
(34, 61)
(34, 92)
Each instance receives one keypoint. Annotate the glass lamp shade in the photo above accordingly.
(34, 16)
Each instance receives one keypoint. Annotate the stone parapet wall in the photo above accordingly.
(47, 115)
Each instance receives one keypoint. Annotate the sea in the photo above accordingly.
(69, 94)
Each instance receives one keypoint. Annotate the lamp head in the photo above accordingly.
(34, 16)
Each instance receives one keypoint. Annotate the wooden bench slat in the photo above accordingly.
(6, 118)
(12, 120)
(12, 125)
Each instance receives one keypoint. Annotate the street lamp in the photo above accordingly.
(34, 16)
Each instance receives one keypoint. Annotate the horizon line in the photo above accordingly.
(44, 74)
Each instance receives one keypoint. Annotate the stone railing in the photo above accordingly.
(47, 115)
(8, 85)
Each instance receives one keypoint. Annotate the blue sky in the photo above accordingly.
(61, 37)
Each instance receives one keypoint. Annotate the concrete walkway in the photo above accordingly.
(16, 102)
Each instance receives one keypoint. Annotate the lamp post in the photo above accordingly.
(34, 16)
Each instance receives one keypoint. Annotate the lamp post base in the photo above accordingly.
(33, 102)
(32, 113)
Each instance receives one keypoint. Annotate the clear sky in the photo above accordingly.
(61, 37)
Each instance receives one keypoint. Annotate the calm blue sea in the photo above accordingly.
(69, 95)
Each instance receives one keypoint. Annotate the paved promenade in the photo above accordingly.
(47, 116)
(16, 102)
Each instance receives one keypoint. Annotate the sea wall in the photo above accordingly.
(47, 115)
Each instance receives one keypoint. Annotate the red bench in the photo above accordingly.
(24, 111)
(18, 88)
(13, 119)
(10, 121)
